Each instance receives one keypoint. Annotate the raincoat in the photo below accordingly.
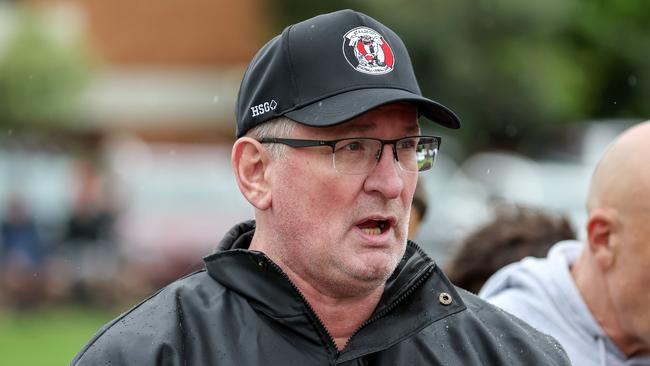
(243, 310)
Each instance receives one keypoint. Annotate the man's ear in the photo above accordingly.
(250, 162)
(600, 237)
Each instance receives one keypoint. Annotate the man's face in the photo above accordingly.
(344, 234)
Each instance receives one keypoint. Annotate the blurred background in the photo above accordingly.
(117, 117)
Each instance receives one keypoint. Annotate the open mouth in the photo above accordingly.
(374, 227)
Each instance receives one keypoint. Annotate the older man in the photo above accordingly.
(595, 298)
(328, 153)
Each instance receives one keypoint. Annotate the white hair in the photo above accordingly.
(277, 127)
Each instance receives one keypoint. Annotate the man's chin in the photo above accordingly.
(360, 285)
(376, 270)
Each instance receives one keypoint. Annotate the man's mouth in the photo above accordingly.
(374, 226)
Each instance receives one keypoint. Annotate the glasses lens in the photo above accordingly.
(416, 154)
(355, 156)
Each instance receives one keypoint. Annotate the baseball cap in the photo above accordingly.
(328, 69)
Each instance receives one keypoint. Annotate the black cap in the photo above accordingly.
(329, 69)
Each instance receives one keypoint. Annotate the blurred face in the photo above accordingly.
(629, 279)
(344, 234)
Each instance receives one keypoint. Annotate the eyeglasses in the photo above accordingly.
(360, 155)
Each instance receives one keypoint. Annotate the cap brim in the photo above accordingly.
(342, 107)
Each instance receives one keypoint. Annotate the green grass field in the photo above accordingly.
(47, 337)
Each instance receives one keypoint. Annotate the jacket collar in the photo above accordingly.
(412, 299)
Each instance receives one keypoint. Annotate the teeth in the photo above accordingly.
(372, 230)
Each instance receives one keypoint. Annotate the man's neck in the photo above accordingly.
(596, 295)
(341, 316)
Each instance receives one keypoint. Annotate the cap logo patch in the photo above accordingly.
(367, 51)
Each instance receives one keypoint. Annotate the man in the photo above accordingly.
(594, 298)
(328, 153)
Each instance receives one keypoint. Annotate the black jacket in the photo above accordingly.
(243, 310)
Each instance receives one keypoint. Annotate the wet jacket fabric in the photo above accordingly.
(542, 292)
(243, 310)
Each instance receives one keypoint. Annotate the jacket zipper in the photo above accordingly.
(372, 319)
(394, 304)
(319, 322)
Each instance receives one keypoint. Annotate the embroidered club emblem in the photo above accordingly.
(367, 51)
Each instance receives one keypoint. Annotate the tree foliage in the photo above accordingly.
(41, 77)
(517, 72)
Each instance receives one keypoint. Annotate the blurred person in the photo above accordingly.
(22, 255)
(513, 233)
(594, 297)
(91, 219)
(419, 208)
(328, 153)
(88, 246)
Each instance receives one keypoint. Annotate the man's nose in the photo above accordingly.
(386, 177)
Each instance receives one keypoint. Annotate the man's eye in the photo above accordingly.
(407, 144)
(353, 146)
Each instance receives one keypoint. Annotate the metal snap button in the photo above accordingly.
(444, 298)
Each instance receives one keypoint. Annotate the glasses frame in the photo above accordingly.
(300, 143)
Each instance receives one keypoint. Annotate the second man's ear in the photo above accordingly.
(600, 233)
(250, 162)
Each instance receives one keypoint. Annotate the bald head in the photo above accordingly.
(622, 176)
(612, 272)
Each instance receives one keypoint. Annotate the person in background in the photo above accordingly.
(418, 211)
(594, 296)
(88, 247)
(22, 256)
(515, 232)
(328, 152)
